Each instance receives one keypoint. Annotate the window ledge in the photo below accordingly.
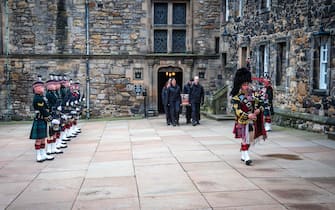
(281, 88)
(264, 11)
(320, 92)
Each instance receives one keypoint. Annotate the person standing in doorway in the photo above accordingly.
(174, 100)
(196, 99)
(165, 101)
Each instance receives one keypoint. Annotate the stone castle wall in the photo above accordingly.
(49, 36)
(293, 23)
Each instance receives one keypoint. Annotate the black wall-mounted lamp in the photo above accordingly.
(138, 73)
(201, 74)
(99, 4)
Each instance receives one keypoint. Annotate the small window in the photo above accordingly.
(224, 60)
(265, 4)
(323, 79)
(320, 65)
(179, 13)
(263, 70)
(217, 45)
(160, 41)
(160, 13)
(170, 26)
(227, 10)
(281, 62)
(240, 8)
(178, 41)
(1, 31)
(244, 56)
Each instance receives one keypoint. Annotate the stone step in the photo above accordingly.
(218, 116)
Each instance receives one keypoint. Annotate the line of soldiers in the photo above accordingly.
(56, 115)
(172, 101)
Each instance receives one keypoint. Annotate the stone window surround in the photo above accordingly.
(265, 9)
(242, 60)
(315, 46)
(284, 84)
(232, 9)
(240, 8)
(2, 31)
(170, 27)
(266, 58)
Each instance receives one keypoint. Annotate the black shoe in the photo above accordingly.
(194, 124)
(248, 162)
(198, 123)
(242, 160)
(174, 124)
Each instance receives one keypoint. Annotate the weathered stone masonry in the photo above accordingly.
(49, 36)
(293, 26)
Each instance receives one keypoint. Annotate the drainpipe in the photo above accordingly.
(87, 60)
(7, 66)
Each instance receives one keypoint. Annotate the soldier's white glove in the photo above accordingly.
(84, 99)
(80, 100)
(67, 104)
(75, 102)
(71, 103)
(59, 108)
(55, 122)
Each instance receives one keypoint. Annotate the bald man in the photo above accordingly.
(196, 99)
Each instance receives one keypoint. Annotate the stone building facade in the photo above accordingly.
(116, 49)
(293, 43)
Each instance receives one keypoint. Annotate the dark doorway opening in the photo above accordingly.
(163, 76)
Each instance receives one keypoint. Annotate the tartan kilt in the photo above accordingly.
(39, 129)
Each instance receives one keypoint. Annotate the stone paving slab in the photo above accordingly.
(145, 164)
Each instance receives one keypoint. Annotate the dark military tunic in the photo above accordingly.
(39, 128)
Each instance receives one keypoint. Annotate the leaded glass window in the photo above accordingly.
(160, 41)
(179, 13)
(170, 26)
(160, 13)
(178, 41)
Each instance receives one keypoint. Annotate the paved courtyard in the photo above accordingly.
(143, 164)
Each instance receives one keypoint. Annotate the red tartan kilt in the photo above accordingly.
(238, 131)
(68, 125)
(74, 122)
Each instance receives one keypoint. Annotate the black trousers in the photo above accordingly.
(167, 113)
(195, 112)
(174, 112)
(188, 113)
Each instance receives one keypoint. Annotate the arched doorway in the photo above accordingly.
(164, 74)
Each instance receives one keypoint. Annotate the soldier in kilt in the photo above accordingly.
(54, 124)
(66, 104)
(39, 127)
(75, 99)
(60, 144)
(249, 124)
